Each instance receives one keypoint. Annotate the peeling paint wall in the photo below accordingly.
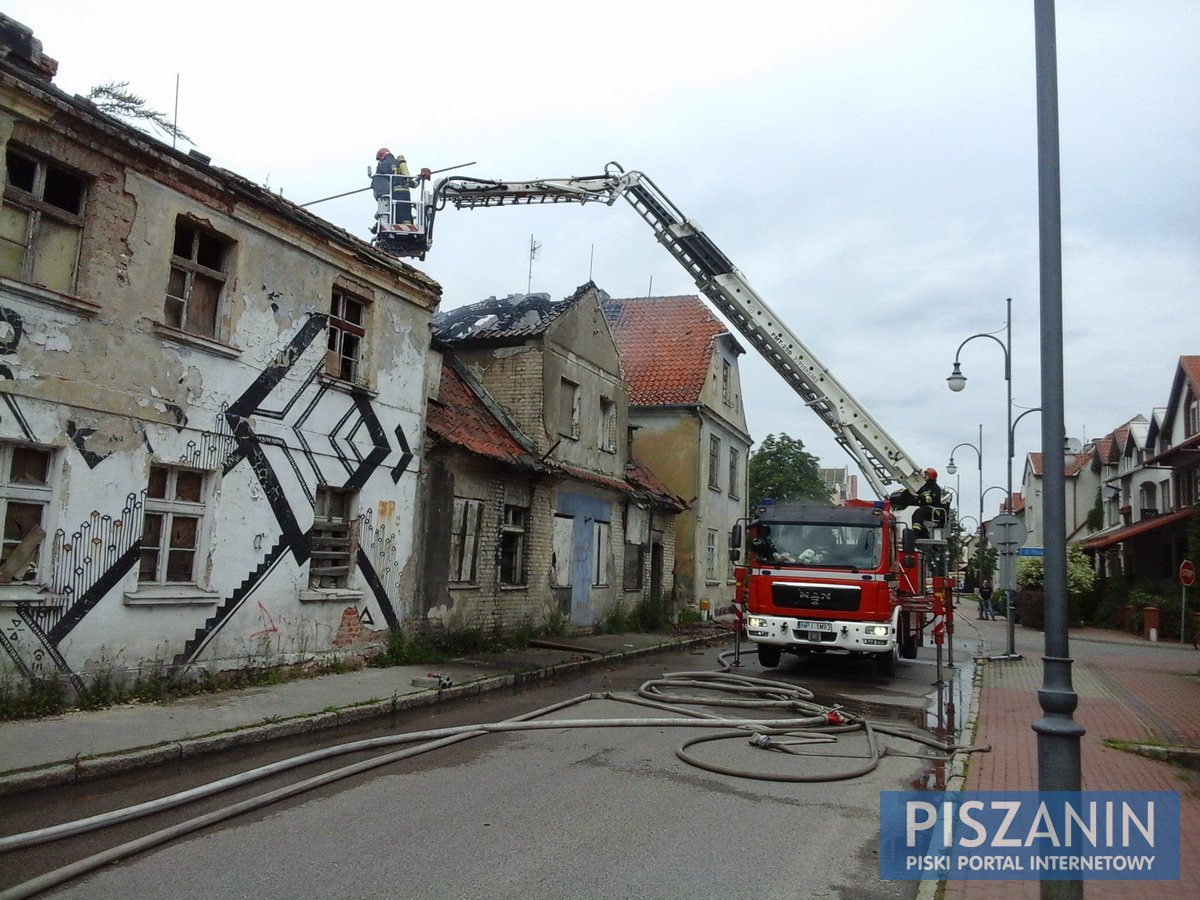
(96, 381)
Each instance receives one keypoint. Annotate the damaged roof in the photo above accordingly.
(514, 318)
(666, 346)
(465, 416)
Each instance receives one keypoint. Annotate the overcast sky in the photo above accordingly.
(870, 167)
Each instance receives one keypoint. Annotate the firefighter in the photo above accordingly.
(390, 184)
(929, 503)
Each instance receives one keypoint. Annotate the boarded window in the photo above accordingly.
(41, 222)
(600, 551)
(173, 526)
(607, 437)
(561, 553)
(464, 540)
(331, 557)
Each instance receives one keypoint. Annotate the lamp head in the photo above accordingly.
(951, 467)
(957, 380)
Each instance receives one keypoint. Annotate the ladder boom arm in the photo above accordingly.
(878, 455)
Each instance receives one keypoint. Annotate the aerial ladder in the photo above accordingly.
(880, 458)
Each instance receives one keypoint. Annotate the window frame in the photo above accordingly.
(341, 330)
(726, 382)
(36, 208)
(711, 543)
(714, 462)
(192, 269)
(40, 494)
(511, 551)
(170, 507)
(734, 473)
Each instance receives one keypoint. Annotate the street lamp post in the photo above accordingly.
(956, 382)
(952, 468)
(1060, 767)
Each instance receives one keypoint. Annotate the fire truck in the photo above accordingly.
(814, 578)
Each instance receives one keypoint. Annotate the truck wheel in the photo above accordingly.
(768, 655)
(885, 663)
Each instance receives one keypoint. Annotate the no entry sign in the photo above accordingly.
(1187, 572)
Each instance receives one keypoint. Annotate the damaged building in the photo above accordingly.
(211, 404)
(529, 471)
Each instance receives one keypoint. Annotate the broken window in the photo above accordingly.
(347, 321)
(608, 425)
(332, 549)
(464, 540)
(512, 545)
(24, 498)
(41, 222)
(196, 280)
(173, 528)
(635, 556)
(568, 409)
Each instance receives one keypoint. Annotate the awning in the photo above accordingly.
(1100, 541)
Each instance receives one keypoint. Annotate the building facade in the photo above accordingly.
(689, 427)
(530, 473)
(210, 405)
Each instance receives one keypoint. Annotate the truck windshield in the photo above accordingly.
(833, 546)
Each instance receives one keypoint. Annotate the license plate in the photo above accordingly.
(802, 625)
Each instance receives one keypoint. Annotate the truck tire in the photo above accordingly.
(885, 663)
(768, 655)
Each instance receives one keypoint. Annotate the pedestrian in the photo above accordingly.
(986, 611)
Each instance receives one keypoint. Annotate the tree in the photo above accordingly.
(116, 99)
(782, 470)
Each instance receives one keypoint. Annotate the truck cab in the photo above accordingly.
(822, 578)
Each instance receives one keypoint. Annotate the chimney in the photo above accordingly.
(21, 50)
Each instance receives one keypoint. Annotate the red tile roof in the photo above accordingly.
(459, 417)
(1082, 460)
(666, 346)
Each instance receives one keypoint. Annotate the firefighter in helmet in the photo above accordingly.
(930, 509)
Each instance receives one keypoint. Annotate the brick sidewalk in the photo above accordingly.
(1127, 691)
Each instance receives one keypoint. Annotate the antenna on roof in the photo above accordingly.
(591, 259)
(175, 130)
(533, 249)
(650, 289)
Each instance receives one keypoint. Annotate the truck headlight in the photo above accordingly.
(756, 622)
(881, 630)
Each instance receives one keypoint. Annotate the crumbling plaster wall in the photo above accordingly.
(97, 376)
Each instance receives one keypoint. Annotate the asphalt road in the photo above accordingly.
(598, 812)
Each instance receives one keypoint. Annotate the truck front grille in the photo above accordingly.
(787, 595)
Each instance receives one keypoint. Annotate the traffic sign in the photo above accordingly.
(1187, 573)
(1007, 532)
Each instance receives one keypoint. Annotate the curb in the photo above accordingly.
(85, 768)
(931, 889)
